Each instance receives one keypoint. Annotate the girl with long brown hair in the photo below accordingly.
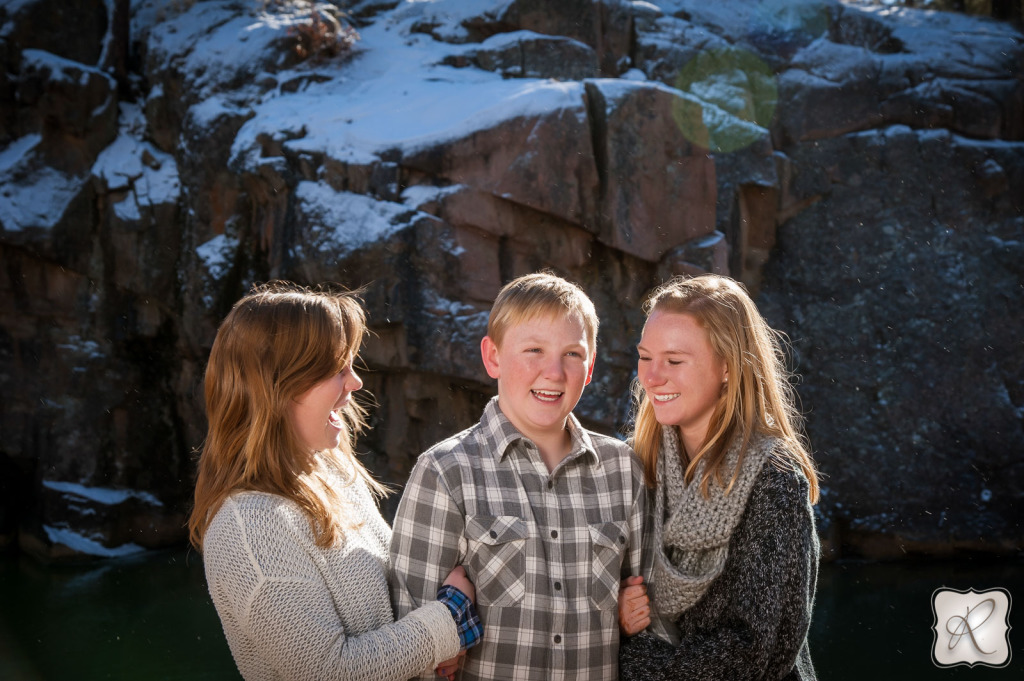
(730, 532)
(294, 548)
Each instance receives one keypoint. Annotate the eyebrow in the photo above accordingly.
(541, 340)
(641, 348)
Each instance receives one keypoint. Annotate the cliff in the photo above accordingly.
(860, 168)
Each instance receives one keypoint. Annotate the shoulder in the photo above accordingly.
(610, 448)
(781, 488)
(620, 457)
(246, 515)
(453, 453)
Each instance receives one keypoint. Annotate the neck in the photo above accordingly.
(690, 440)
(554, 448)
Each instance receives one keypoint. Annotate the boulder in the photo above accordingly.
(657, 186)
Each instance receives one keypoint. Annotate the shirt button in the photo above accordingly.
(558, 639)
(551, 484)
(558, 586)
(494, 535)
(554, 534)
(622, 540)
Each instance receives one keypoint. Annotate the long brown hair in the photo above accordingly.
(758, 397)
(276, 343)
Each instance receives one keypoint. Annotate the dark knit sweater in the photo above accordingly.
(752, 622)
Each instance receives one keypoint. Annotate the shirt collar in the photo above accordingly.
(501, 435)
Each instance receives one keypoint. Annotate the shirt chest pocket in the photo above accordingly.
(609, 546)
(497, 558)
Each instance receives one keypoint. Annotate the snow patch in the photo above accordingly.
(81, 346)
(417, 195)
(38, 198)
(217, 254)
(131, 163)
(101, 495)
(82, 544)
(345, 221)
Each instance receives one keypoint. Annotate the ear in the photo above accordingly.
(590, 369)
(489, 353)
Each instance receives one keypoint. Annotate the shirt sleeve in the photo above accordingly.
(427, 539)
(276, 593)
(638, 562)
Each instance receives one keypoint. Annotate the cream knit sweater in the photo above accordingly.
(292, 610)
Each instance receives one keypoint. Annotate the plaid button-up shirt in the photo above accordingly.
(545, 551)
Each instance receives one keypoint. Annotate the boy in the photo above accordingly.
(545, 516)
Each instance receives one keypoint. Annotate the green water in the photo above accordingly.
(140, 618)
(150, 618)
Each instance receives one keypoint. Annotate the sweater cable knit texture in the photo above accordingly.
(292, 610)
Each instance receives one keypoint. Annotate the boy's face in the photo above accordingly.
(541, 367)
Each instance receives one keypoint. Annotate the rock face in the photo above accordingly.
(861, 169)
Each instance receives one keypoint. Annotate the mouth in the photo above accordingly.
(664, 398)
(334, 419)
(547, 395)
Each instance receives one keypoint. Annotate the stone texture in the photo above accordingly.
(650, 171)
(525, 54)
(914, 392)
(876, 216)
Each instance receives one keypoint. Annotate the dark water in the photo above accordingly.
(150, 618)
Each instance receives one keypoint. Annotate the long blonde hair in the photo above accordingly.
(276, 343)
(758, 397)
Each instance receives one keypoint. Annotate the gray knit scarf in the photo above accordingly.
(691, 541)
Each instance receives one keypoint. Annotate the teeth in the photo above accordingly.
(335, 420)
(547, 395)
(665, 398)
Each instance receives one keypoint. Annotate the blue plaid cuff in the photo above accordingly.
(467, 622)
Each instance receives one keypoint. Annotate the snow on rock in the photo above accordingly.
(34, 196)
(89, 546)
(342, 222)
(217, 255)
(100, 495)
(132, 163)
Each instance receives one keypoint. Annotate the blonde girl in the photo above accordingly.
(731, 535)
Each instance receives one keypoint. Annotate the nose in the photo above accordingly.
(649, 374)
(353, 383)
(554, 368)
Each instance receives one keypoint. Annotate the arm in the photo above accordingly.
(755, 617)
(427, 539)
(268, 584)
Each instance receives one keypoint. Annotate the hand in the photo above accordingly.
(634, 606)
(460, 581)
(448, 668)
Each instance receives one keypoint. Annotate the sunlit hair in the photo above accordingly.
(276, 343)
(758, 396)
(538, 295)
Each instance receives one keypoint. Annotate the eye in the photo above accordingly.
(674, 362)
(574, 353)
(532, 350)
(644, 358)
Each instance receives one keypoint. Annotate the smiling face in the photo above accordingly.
(542, 366)
(315, 414)
(680, 372)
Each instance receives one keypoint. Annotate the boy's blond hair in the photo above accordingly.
(538, 294)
